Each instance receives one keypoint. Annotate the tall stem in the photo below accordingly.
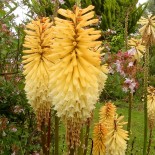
(150, 141)
(72, 151)
(130, 94)
(56, 7)
(86, 139)
(56, 140)
(49, 134)
(78, 3)
(126, 29)
(130, 112)
(56, 135)
(43, 138)
(146, 74)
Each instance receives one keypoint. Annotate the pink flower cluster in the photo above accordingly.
(125, 64)
(130, 84)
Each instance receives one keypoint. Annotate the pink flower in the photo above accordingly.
(13, 129)
(132, 87)
(118, 65)
(130, 84)
(130, 64)
(127, 81)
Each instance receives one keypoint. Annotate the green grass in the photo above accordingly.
(137, 125)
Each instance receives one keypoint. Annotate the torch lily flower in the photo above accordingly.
(138, 48)
(107, 114)
(37, 62)
(77, 71)
(116, 137)
(148, 29)
(99, 139)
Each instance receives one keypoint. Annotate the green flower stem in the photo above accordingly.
(49, 134)
(130, 94)
(150, 141)
(72, 151)
(43, 138)
(56, 135)
(86, 139)
(146, 74)
(130, 112)
(56, 140)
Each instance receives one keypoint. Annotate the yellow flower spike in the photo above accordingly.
(137, 44)
(99, 139)
(107, 113)
(151, 104)
(116, 138)
(37, 62)
(148, 29)
(77, 71)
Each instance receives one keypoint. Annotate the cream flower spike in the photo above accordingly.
(107, 114)
(116, 138)
(37, 62)
(137, 44)
(99, 139)
(148, 29)
(76, 72)
(151, 103)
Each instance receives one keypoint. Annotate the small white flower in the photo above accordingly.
(14, 153)
(3, 134)
(125, 89)
(108, 30)
(107, 47)
(61, 1)
(111, 71)
(113, 32)
(13, 129)
(132, 51)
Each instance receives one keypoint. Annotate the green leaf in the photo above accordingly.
(2, 13)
